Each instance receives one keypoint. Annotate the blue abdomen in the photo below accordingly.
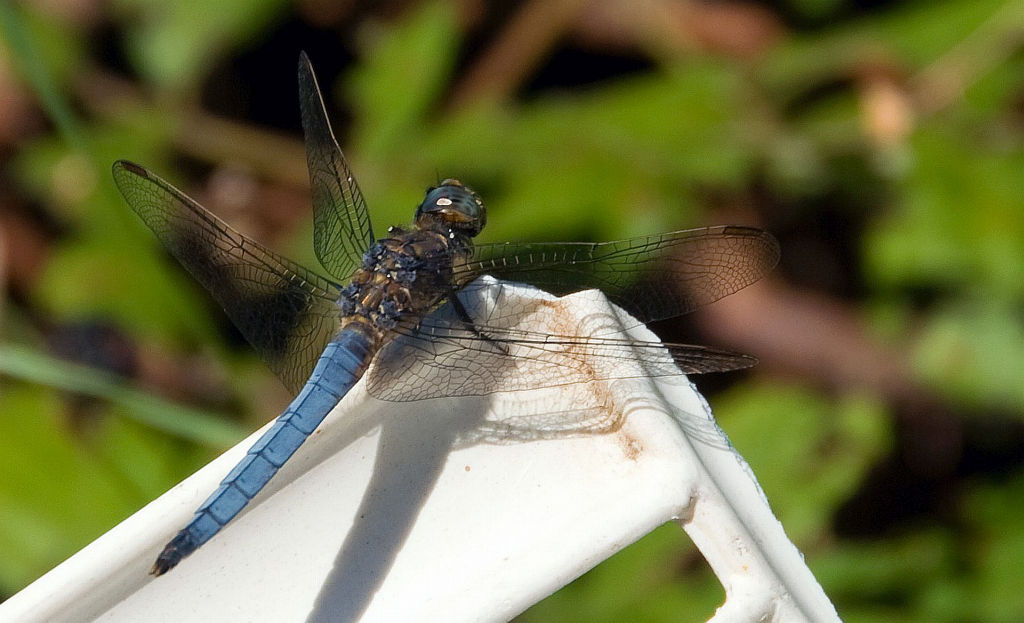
(339, 368)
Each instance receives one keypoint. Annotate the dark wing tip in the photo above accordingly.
(707, 360)
(131, 167)
(771, 250)
(744, 361)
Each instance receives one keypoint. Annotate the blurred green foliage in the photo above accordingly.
(939, 261)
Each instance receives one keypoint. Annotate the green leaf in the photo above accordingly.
(809, 454)
(195, 424)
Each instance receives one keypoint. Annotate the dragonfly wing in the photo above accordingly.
(652, 277)
(341, 222)
(444, 355)
(287, 313)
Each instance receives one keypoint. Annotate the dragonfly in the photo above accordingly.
(402, 304)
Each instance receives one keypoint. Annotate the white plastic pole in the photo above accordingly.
(453, 510)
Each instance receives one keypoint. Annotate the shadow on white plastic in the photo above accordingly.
(458, 509)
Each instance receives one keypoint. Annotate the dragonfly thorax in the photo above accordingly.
(453, 207)
(409, 272)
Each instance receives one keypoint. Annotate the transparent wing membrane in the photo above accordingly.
(652, 277)
(444, 355)
(289, 313)
(341, 222)
(286, 312)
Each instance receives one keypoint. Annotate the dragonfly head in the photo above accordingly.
(452, 206)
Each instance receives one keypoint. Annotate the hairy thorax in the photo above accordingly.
(404, 275)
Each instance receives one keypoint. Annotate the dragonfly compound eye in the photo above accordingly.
(454, 206)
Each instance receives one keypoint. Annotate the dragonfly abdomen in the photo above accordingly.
(341, 365)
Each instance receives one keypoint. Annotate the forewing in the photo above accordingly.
(286, 312)
(652, 277)
(341, 222)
